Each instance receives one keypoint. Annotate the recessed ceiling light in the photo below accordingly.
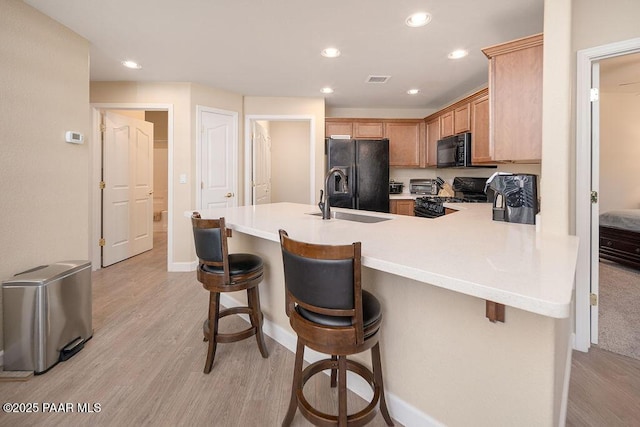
(418, 19)
(131, 64)
(457, 54)
(326, 90)
(330, 52)
(413, 91)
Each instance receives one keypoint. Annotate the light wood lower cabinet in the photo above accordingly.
(402, 206)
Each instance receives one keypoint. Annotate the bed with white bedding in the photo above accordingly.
(620, 237)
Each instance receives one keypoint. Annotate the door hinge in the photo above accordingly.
(102, 185)
(101, 242)
(593, 299)
(594, 197)
(103, 127)
(593, 94)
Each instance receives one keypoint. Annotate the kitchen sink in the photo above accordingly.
(353, 217)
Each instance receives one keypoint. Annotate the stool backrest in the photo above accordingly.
(325, 279)
(210, 238)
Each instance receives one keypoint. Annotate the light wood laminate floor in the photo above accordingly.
(144, 366)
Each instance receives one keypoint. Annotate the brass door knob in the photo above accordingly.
(228, 195)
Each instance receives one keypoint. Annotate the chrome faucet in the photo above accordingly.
(324, 205)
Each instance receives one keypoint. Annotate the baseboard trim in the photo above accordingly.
(400, 410)
(182, 267)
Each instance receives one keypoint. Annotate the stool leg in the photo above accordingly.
(214, 309)
(377, 377)
(342, 391)
(334, 371)
(253, 298)
(297, 384)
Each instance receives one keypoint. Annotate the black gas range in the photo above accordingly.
(467, 190)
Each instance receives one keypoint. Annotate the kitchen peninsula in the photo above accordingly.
(444, 361)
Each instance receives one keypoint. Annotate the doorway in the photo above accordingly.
(588, 185)
(286, 173)
(161, 115)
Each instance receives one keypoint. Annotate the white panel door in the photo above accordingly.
(261, 165)
(218, 159)
(127, 203)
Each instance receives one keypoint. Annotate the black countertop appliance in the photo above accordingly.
(516, 197)
(365, 162)
(467, 190)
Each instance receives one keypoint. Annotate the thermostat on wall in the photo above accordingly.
(74, 137)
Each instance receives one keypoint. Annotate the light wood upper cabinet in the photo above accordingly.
(446, 124)
(372, 129)
(406, 136)
(338, 128)
(515, 87)
(432, 136)
(461, 119)
(480, 148)
(406, 142)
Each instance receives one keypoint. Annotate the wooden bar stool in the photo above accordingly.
(330, 313)
(219, 271)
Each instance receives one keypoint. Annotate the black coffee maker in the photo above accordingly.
(516, 197)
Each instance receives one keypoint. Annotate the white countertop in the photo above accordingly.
(405, 196)
(465, 252)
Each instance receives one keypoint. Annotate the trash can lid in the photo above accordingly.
(46, 273)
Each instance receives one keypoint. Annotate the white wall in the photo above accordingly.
(44, 181)
(619, 151)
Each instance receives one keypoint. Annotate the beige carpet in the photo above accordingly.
(619, 309)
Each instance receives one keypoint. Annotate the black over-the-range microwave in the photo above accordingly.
(455, 152)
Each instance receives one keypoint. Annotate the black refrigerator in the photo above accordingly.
(365, 162)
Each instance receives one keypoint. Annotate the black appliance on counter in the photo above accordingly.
(395, 187)
(516, 197)
(466, 190)
(365, 162)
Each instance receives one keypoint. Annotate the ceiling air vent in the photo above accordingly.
(377, 79)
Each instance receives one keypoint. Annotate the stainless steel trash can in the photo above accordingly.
(46, 315)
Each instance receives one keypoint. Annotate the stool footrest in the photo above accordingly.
(359, 418)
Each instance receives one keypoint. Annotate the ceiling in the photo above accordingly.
(272, 48)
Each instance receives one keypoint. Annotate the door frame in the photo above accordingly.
(248, 149)
(589, 241)
(96, 157)
(234, 115)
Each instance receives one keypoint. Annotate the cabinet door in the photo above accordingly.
(405, 143)
(368, 129)
(405, 207)
(480, 149)
(446, 124)
(337, 128)
(515, 87)
(461, 119)
(432, 137)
